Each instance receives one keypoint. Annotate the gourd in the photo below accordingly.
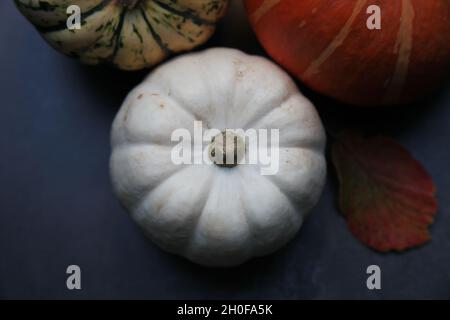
(216, 214)
(332, 46)
(129, 34)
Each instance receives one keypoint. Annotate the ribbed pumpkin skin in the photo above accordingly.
(128, 34)
(328, 46)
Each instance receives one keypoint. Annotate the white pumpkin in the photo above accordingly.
(212, 214)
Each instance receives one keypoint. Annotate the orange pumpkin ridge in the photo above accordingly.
(328, 46)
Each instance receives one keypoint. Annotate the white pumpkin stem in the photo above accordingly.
(227, 149)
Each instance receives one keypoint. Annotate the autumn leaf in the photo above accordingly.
(386, 195)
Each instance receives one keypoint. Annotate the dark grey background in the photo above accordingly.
(57, 208)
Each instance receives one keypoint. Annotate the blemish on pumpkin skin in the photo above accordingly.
(139, 159)
(161, 204)
(140, 96)
(127, 111)
(159, 207)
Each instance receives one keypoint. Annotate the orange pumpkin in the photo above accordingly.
(329, 46)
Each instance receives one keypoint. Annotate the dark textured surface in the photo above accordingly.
(56, 205)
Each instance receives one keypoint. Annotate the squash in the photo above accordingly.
(129, 34)
(213, 214)
(335, 48)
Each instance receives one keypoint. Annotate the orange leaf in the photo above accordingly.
(386, 195)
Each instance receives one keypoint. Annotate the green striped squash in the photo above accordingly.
(129, 34)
